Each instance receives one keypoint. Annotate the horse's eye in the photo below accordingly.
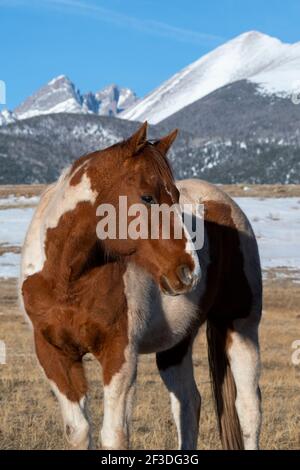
(147, 199)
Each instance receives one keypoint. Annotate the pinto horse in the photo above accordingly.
(118, 298)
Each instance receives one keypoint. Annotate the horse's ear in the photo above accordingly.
(165, 142)
(137, 141)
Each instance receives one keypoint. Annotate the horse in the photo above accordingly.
(119, 298)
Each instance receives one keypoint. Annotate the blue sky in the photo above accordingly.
(135, 43)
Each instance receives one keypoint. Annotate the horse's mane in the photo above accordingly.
(160, 164)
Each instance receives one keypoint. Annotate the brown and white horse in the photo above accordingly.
(117, 298)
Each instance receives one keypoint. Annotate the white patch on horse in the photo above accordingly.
(176, 412)
(157, 321)
(32, 259)
(189, 245)
(243, 354)
(66, 199)
(118, 396)
(55, 202)
(191, 250)
(75, 423)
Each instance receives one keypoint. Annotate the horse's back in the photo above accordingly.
(201, 192)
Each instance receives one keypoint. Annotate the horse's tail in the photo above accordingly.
(223, 388)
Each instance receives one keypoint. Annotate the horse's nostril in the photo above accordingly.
(185, 274)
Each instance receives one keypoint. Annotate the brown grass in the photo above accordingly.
(262, 190)
(30, 417)
(234, 190)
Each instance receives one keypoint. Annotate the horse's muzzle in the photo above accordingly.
(185, 281)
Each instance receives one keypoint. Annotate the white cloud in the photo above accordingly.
(152, 27)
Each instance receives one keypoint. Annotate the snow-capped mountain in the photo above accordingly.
(237, 121)
(113, 100)
(61, 96)
(57, 96)
(273, 65)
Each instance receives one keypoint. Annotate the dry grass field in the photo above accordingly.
(30, 417)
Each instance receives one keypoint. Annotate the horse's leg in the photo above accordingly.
(244, 359)
(119, 375)
(67, 380)
(176, 369)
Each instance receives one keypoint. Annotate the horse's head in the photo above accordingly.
(139, 171)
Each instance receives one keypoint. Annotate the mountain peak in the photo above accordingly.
(255, 38)
(7, 117)
(60, 95)
(111, 86)
(59, 79)
(254, 56)
(253, 34)
(115, 99)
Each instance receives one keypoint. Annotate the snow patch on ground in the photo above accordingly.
(276, 223)
(16, 201)
(13, 226)
(9, 265)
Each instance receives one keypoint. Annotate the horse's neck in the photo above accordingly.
(116, 284)
(99, 292)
